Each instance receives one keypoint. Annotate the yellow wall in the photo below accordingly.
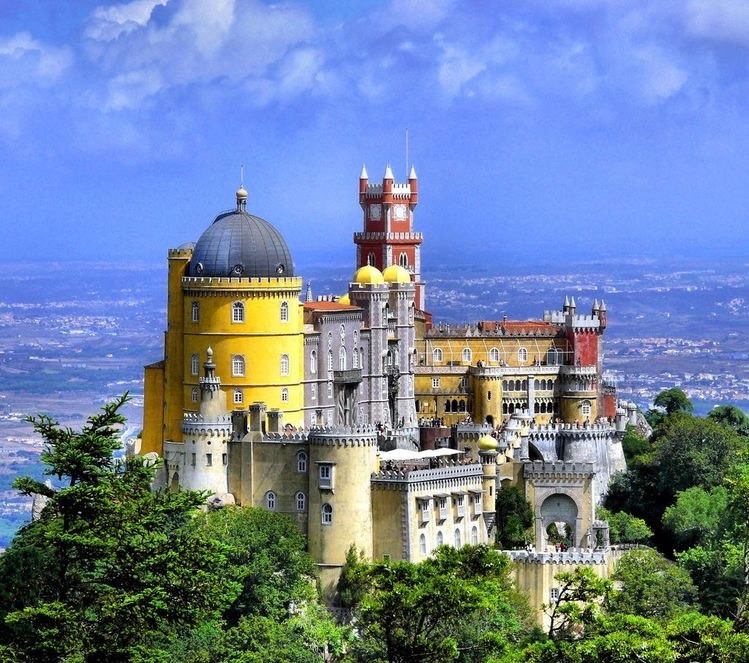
(153, 409)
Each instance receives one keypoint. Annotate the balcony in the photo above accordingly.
(350, 376)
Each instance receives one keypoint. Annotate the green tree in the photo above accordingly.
(696, 515)
(458, 605)
(636, 448)
(731, 416)
(352, 583)
(651, 586)
(624, 527)
(578, 602)
(266, 556)
(674, 400)
(514, 516)
(111, 565)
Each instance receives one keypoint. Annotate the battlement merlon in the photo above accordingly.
(406, 478)
(538, 469)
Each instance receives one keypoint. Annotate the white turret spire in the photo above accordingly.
(364, 175)
(412, 174)
(389, 173)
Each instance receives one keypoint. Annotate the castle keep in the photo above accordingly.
(360, 417)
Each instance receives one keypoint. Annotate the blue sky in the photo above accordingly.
(541, 128)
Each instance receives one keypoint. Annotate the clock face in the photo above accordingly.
(399, 212)
(375, 212)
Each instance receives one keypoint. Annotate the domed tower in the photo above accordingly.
(236, 291)
(488, 446)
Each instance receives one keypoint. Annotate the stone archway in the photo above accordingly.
(174, 484)
(559, 509)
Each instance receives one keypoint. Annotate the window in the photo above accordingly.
(330, 361)
(193, 459)
(301, 501)
(461, 504)
(403, 260)
(224, 459)
(195, 312)
(237, 312)
(326, 514)
(237, 365)
(467, 355)
(301, 461)
(194, 364)
(437, 354)
(209, 460)
(426, 505)
(355, 359)
(284, 395)
(457, 538)
(474, 535)
(423, 544)
(435, 383)
(194, 394)
(522, 355)
(284, 311)
(554, 593)
(371, 259)
(330, 390)
(270, 500)
(313, 392)
(443, 508)
(238, 396)
(585, 408)
(313, 362)
(477, 505)
(494, 355)
(284, 364)
(325, 473)
(440, 539)
(342, 359)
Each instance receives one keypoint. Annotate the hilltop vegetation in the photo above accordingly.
(114, 571)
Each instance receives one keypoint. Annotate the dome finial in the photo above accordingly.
(241, 192)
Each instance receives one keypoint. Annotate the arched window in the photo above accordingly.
(330, 390)
(270, 500)
(447, 405)
(462, 406)
(440, 539)
(411, 314)
(505, 386)
(454, 405)
(437, 354)
(523, 355)
(330, 361)
(301, 501)
(195, 312)
(511, 386)
(467, 355)
(403, 260)
(284, 395)
(238, 396)
(313, 392)
(237, 312)
(494, 354)
(313, 362)
(457, 538)
(585, 408)
(326, 514)
(474, 535)
(284, 311)
(194, 394)
(301, 461)
(237, 365)
(423, 544)
(342, 359)
(355, 359)
(194, 364)
(284, 364)
(518, 385)
(371, 259)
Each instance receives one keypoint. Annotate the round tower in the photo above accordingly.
(488, 446)
(342, 461)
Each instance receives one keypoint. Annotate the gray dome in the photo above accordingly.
(240, 244)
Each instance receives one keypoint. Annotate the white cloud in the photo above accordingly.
(129, 90)
(719, 20)
(23, 58)
(662, 77)
(108, 23)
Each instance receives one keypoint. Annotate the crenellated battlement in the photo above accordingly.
(571, 556)
(559, 469)
(449, 471)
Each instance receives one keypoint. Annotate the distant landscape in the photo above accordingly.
(74, 335)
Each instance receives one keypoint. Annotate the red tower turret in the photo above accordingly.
(388, 237)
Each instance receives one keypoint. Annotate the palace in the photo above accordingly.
(361, 418)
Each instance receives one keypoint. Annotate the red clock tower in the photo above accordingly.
(388, 237)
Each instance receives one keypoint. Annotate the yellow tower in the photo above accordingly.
(234, 291)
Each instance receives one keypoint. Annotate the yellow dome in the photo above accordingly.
(396, 274)
(487, 443)
(345, 300)
(368, 274)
